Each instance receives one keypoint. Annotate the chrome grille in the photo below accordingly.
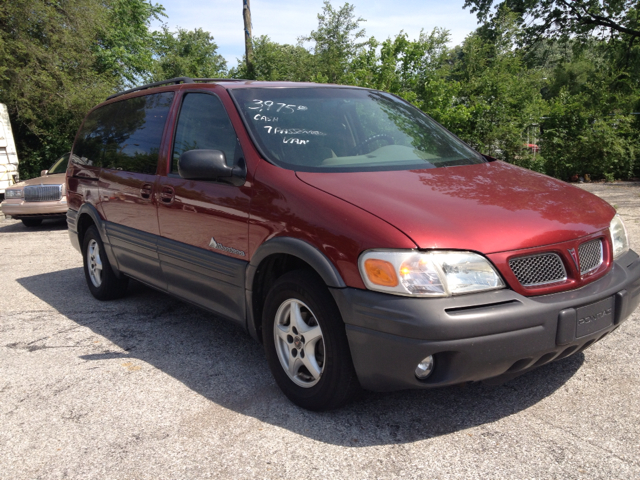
(42, 193)
(538, 269)
(590, 256)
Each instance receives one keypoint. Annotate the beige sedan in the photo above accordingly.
(38, 198)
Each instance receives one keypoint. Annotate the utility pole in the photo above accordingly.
(246, 14)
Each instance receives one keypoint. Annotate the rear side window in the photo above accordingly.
(204, 124)
(125, 135)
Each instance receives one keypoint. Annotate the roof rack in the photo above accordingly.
(174, 81)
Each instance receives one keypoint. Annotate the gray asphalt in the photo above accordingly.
(148, 387)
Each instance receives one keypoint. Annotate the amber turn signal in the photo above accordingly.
(380, 272)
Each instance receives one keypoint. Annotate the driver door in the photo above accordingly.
(204, 223)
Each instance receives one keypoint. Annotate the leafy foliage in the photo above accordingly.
(273, 61)
(186, 54)
(502, 95)
(336, 41)
(551, 85)
(123, 46)
(48, 76)
(564, 18)
(59, 59)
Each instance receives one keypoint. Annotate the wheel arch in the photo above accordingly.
(87, 216)
(273, 259)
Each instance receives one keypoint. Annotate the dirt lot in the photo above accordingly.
(149, 387)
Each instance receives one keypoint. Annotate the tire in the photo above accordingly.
(102, 281)
(306, 343)
(31, 222)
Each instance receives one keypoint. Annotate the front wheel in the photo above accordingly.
(101, 279)
(306, 343)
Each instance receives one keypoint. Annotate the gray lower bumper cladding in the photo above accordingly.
(476, 337)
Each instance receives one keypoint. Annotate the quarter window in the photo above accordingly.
(125, 135)
(89, 148)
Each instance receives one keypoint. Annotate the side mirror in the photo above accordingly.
(43, 172)
(207, 165)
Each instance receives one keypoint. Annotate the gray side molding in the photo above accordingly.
(298, 248)
(72, 229)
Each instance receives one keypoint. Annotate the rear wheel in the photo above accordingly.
(31, 222)
(101, 279)
(306, 343)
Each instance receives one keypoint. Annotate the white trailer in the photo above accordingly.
(8, 155)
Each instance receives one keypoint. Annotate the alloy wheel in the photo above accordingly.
(94, 263)
(299, 343)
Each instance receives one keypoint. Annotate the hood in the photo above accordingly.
(54, 179)
(488, 208)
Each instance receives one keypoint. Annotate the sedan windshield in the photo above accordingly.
(346, 129)
(60, 165)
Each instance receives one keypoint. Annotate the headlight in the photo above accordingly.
(428, 274)
(14, 193)
(619, 237)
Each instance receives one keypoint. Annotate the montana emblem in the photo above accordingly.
(219, 246)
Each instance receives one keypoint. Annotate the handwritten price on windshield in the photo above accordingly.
(261, 105)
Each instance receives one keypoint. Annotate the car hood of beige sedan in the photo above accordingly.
(55, 179)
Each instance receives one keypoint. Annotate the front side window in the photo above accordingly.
(205, 125)
(346, 129)
(125, 135)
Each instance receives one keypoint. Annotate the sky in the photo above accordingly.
(286, 20)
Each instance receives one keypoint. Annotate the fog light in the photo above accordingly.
(424, 368)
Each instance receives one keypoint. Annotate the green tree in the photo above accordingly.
(336, 41)
(502, 96)
(186, 53)
(589, 128)
(590, 92)
(48, 79)
(123, 47)
(563, 18)
(540, 71)
(417, 70)
(59, 59)
(273, 61)
(579, 140)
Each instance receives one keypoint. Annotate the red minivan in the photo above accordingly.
(362, 243)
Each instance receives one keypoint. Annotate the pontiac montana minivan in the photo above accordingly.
(362, 243)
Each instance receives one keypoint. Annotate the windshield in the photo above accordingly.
(346, 129)
(60, 165)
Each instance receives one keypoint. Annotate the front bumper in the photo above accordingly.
(17, 208)
(480, 336)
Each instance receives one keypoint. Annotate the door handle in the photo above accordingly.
(145, 191)
(167, 195)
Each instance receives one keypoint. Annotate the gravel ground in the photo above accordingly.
(149, 387)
